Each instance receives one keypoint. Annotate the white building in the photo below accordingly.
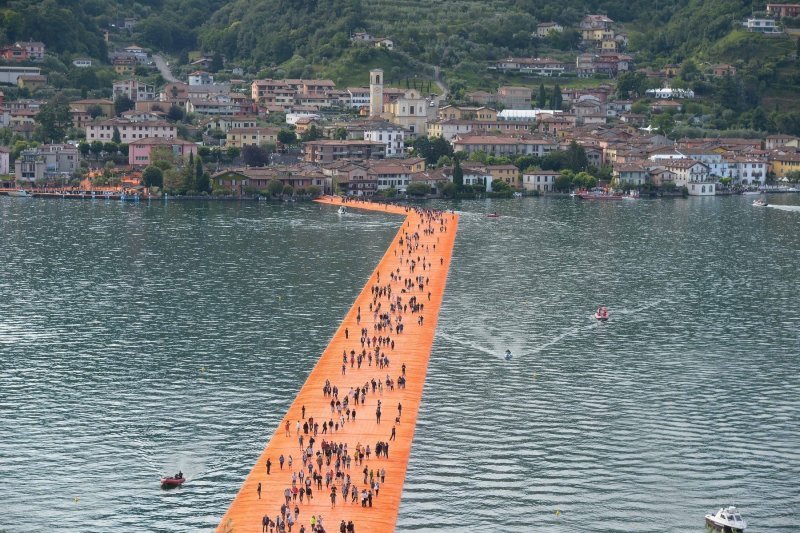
(129, 131)
(135, 90)
(5, 155)
(200, 77)
(390, 134)
(668, 92)
(540, 180)
(359, 97)
(138, 52)
(693, 175)
(525, 115)
(759, 25)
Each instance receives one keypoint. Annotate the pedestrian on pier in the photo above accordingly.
(281, 460)
(269, 465)
(394, 434)
(258, 490)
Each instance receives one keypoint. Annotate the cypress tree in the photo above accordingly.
(542, 100)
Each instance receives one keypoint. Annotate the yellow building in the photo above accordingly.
(780, 165)
(240, 137)
(452, 112)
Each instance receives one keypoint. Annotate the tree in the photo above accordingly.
(202, 183)
(233, 152)
(274, 187)
(449, 190)
(562, 183)
(458, 175)
(542, 100)
(631, 84)
(175, 113)
(287, 137)
(216, 62)
(152, 176)
(254, 156)
(122, 104)
(115, 137)
(97, 147)
(54, 119)
(84, 149)
(189, 173)
(576, 159)
(313, 191)
(94, 111)
(418, 189)
(558, 99)
(311, 134)
(340, 134)
(288, 190)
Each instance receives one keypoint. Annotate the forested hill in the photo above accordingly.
(265, 33)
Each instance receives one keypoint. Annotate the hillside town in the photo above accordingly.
(246, 137)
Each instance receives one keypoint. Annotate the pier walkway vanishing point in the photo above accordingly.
(421, 250)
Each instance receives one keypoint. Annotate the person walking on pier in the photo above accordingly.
(394, 434)
(258, 490)
(269, 465)
(378, 415)
(281, 460)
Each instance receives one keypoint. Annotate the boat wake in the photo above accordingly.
(794, 208)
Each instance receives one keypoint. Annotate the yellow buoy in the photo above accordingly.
(558, 513)
(77, 499)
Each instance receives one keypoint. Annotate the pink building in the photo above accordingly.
(139, 151)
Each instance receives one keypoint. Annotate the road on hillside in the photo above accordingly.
(438, 80)
(163, 68)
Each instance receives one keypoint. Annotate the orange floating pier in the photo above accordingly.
(420, 253)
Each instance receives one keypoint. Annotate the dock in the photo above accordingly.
(421, 250)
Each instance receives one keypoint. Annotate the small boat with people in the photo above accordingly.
(726, 520)
(602, 313)
(508, 355)
(493, 215)
(173, 481)
(599, 194)
(342, 210)
(760, 203)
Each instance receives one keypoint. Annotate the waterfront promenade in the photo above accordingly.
(394, 317)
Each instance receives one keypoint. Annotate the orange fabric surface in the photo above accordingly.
(412, 347)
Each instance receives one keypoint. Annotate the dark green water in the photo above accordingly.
(138, 339)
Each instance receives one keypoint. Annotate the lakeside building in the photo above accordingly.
(47, 162)
(139, 151)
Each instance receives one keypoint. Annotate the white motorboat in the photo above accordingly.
(760, 203)
(751, 192)
(727, 520)
(19, 193)
(342, 210)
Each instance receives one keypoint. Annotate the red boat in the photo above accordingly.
(602, 313)
(492, 215)
(174, 481)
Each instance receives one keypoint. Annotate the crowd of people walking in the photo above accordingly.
(324, 462)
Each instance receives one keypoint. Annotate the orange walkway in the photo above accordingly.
(412, 347)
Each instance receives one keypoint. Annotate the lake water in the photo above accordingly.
(137, 339)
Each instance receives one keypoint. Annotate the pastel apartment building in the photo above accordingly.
(129, 131)
(139, 151)
(328, 151)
